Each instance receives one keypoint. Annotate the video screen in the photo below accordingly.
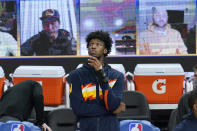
(167, 27)
(48, 27)
(118, 17)
(8, 29)
(59, 28)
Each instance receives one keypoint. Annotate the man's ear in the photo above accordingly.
(105, 51)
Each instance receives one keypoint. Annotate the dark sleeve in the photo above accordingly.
(80, 107)
(27, 47)
(113, 96)
(69, 39)
(69, 47)
(181, 127)
(38, 103)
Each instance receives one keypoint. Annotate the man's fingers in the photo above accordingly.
(46, 128)
(92, 61)
(91, 64)
(93, 58)
(123, 106)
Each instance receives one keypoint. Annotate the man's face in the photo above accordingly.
(51, 26)
(96, 48)
(195, 109)
(195, 73)
(160, 18)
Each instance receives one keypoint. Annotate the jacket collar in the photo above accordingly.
(151, 27)
(190, 115)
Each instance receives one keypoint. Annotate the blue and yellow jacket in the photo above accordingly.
(88, 98)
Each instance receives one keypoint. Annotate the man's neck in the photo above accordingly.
(160, 29)
(195, 113)
(54, 35)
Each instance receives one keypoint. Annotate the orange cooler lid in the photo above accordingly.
(159, 69)
(118, 67)
(39, 71)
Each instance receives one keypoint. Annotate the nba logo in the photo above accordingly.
(135, 127)
(18, 127)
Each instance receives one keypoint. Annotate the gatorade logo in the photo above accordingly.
(159, 86)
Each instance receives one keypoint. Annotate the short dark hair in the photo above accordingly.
(103, 36)
(192, 99)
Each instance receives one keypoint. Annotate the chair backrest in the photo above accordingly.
(172, 120)
(183, 107)
(61, 120)
(136, 106)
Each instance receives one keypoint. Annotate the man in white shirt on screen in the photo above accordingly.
(159, 38)
(8, 45)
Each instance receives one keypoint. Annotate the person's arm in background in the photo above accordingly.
(27, 47)
(144, 49)
(182, 49)
(39, 106)
(69, 41)
(10, 43)
(142, 45)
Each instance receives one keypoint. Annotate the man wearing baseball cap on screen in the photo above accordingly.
(51, 40)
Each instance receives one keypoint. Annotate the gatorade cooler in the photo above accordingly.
(161, 83)
(2, 79)
(52, 79)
